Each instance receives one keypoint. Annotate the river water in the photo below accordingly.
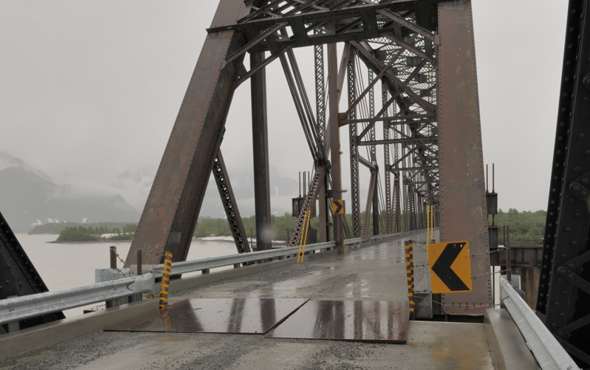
(68, 265)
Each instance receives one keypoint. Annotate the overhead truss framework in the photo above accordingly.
(395, 39)
(390, 67)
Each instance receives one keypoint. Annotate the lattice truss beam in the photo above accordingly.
(399, 53)
(385, 44)
(391, 43)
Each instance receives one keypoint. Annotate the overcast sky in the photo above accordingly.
(89, 91)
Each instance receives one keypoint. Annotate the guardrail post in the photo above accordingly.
(139, 262)
(113, 265)
(113, 257)
(165, 282)
(138, 270)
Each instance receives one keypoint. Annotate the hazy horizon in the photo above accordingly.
(91, 90)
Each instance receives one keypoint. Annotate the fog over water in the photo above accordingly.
(90, 91)
(68, 265)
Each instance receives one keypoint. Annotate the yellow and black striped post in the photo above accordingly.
(165, 283)
(428, 237)
(303, 241)
(409, 253)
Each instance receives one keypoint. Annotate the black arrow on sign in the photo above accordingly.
(442, 267)
(337, 207)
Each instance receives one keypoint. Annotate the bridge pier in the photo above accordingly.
(462, 193)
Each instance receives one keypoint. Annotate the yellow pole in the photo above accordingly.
(300, 251)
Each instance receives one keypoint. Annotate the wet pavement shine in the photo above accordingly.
(372, 279)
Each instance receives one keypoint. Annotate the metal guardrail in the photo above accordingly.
(547, 350)
(234, 259)
(23, 307)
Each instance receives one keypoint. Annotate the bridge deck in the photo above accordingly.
(370, 273)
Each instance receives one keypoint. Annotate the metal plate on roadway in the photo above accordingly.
(361, 320)
(218, 315)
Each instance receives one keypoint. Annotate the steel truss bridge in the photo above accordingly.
(399, 77)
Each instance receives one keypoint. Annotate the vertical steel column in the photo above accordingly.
(260, 150)
(354, 154)
(320, 89)
(173, 205)
(230, 205)
(373, 152)
(396, 183)
(334, 136)
(462, 195)
(397, 227)
(320, 101)
(386, 165)
(18, 275)
(324, 229)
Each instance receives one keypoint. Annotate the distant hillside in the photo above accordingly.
(29, 197)
(57, 228)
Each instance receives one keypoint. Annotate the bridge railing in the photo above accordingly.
(547, 350)
(23, 307)
(27, 306)
(208, 263)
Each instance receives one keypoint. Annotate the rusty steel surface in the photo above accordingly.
(175, 199)
(261, 154)
(358, 320)
(218, 315)
(462, 198)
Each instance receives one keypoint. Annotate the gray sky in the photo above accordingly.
(90, 90)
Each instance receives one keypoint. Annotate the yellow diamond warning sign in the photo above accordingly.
(337, 206)
(450, 267)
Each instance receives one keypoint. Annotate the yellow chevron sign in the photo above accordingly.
(450, 267)
(337, 206)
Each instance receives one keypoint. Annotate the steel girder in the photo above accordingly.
(321, 21)
(18, 276)
(355, 197)
(172, 208)
(261, 155)
(402, 55)
(462, 186)
(564, 289)
(230, 204)
(389, 224)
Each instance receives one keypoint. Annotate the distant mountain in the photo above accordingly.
(28, 197)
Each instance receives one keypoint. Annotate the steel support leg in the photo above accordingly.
(320, 98)
(354, 152)
(386, 172)
(462, 195)
(230, 205)
(334, 139)
(174, 202)
(324, 229)
(19, 277)
(397, 226)
(260, 149)
(373, 152)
